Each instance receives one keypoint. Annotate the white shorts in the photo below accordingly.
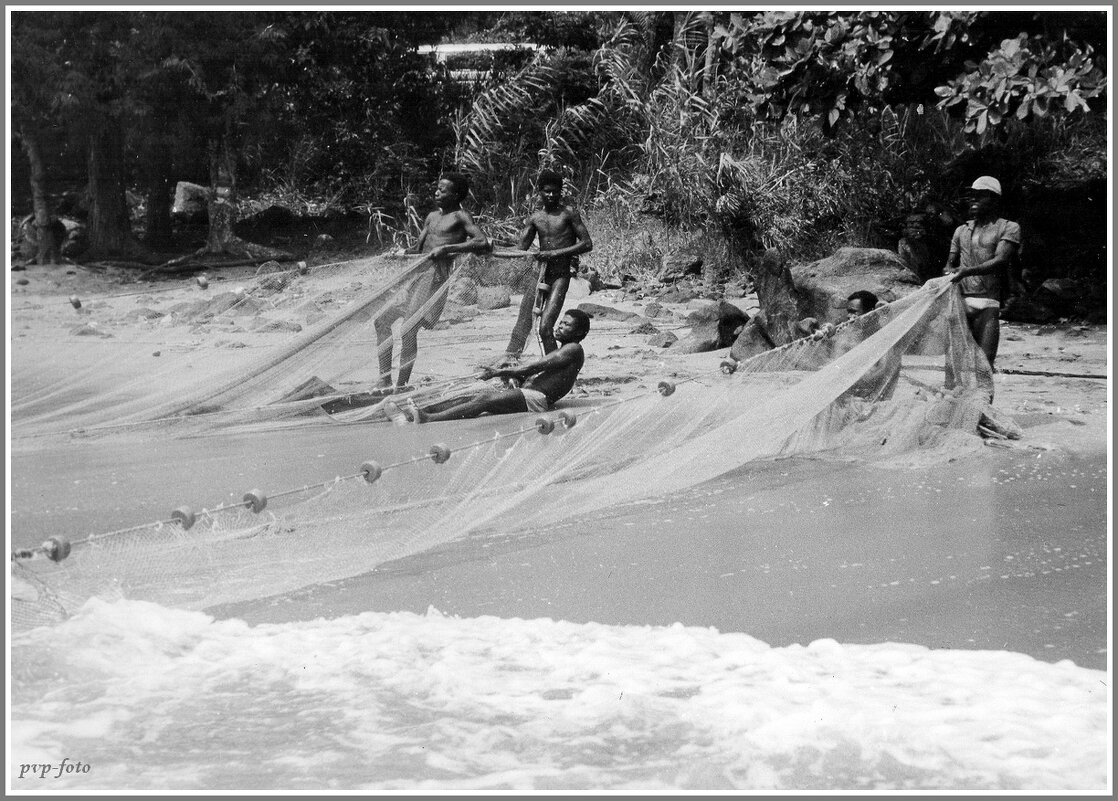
(981, 303)
(537, 401)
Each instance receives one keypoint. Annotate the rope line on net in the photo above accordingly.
(58, 548)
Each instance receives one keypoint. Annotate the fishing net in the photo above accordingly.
(906, 376)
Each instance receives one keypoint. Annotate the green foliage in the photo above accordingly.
(828, 64)
(1024, 77)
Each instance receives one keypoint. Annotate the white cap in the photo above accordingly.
(987, 184)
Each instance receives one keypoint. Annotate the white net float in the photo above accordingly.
(239, 291)
(255, 500)
(568, 419)
(371, 470)
(56, 548)
(439, 453)
(184, 516)
(544, 425)
(302, 267)
(665, 388)
(203, 282)
(75, 301)
(728, 366)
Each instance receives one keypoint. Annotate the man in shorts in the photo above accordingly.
(546, 380)
(563, 236)
(982, 253)
(448, 231)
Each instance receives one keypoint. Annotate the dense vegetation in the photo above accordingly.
(798, 131)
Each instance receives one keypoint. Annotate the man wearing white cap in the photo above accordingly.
(982, 252)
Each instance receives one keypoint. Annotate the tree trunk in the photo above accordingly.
(157, 221)
(776, 323)
(710, 63)
(110, 232)
(220, 239)
(48, 241)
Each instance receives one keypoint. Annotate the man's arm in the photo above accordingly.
(475, 240)
(527, 233)
(559, 358)
(952, 254)
(1003, 256)
(583, 243)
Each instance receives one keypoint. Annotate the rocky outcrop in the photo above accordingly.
(823, 286)
(713, 326)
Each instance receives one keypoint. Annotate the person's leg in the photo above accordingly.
(986, 329)
(551, 311)
(491, 401)
(523, 326)
(409, 348)
(383, 328)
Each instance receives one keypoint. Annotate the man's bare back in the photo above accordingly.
(555, 383)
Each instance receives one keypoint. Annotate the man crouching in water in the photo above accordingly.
(545, 380)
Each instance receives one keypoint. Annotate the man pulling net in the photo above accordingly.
(545, 381)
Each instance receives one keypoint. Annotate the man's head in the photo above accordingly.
(453, 188)
(550, 186)
(573, 326)
(983, 197)
(860, 303)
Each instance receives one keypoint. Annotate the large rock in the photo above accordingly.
(599, 312)
(493, 297)
(679, 294)
(463, 291)
(1061, 295)
(677, 265)
(825, 285)
(712, 327)
(190, 202)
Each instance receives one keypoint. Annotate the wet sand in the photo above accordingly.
(1003, 551)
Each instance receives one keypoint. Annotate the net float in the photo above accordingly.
(203, 281)
(255, 500)
(371, 470)
(75, 301)
(56, 548)
(184, 516)
(439, 453)
(665, 388)
(728, 366)
(568, 419)
(302, 267)
(239, 292)
(544, 425)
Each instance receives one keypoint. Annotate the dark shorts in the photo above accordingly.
(559, 268)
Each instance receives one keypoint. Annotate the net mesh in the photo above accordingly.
(905, 377)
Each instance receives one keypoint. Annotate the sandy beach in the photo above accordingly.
(759, 630)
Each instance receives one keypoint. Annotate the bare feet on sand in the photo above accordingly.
(412, 410)
(395, 413)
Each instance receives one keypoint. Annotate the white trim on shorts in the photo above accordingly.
(981, 303)
(537, 401)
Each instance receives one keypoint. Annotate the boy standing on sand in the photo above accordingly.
(448, 230)
(563, 236)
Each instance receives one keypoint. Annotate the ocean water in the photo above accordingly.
(842, 628)
(149, 698)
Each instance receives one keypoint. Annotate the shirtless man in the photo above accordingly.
(448, 230)
(562, 237)
(545, 381)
